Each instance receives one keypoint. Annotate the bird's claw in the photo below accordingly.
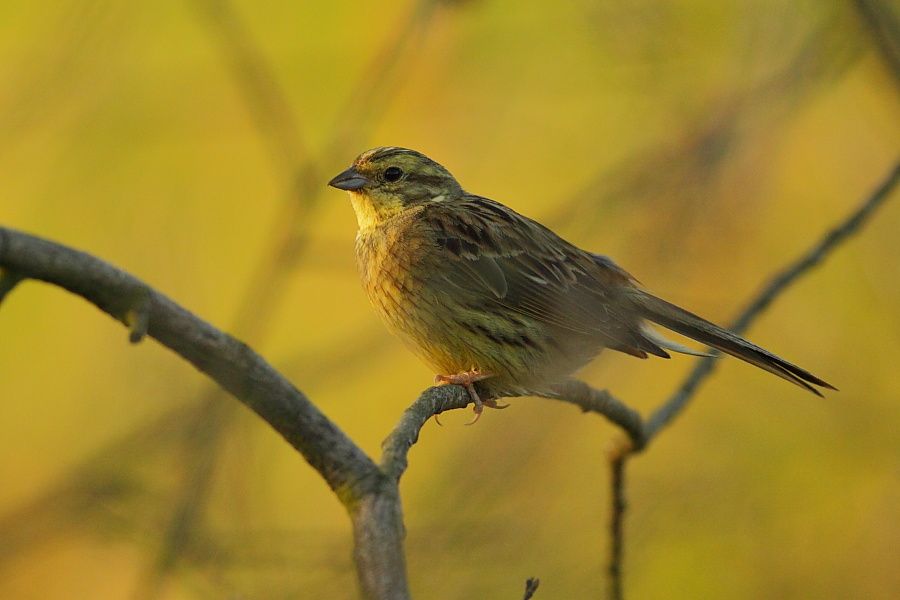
(467, 379)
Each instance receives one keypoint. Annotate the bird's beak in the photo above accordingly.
(350, 180)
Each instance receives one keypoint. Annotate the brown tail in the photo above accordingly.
(686, 323)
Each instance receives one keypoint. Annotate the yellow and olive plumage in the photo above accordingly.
(479, 291)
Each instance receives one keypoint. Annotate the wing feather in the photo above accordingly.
(508, 261)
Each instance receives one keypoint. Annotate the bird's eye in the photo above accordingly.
(393, 174)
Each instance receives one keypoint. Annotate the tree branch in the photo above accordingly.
(229, 362)
(278, 127)
(616, 520)
(436, 400)
(778, 283)
(679, 400)
(603, 403)
(370, 493)
(372, 499)
(431, 402)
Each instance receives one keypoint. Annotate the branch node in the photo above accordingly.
(620, 448)
(137, 316)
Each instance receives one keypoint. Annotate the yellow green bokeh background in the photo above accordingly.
(701, 144)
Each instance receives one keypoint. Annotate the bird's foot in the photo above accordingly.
(467, 379)
(464, 378)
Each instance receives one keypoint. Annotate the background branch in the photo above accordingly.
(531, 586)
(882, 19)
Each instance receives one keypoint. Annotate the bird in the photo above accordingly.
(496, 302)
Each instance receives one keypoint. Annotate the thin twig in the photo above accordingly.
(616, 521)
(278, 127)
(776, 286)
(436, 400)
(677, 168)
(676, 403)
(431, 402)
(531, 586)
(603, 403)
(202, 442)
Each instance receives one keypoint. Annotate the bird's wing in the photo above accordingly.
(497, 258)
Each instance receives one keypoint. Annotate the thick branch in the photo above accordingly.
(378, 534)
(229, 362)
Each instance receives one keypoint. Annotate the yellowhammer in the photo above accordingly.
(484, 294)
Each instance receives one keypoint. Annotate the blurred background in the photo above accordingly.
(701, 144)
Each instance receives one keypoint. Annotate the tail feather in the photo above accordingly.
(688, 324)
(663, 342)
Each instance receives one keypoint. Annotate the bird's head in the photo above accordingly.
(384, 182)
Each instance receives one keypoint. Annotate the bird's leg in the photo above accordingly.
(467, 379)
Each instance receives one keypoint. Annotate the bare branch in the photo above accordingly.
(436, 400)
(776, 286)
(270, 110)
(603, 403)
(432, 401)
(616, 520)
(378, 535)
(371, 498)
(271, 113)
(229, 362)
(676, 403)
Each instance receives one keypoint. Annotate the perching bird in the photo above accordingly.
(484, 294)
